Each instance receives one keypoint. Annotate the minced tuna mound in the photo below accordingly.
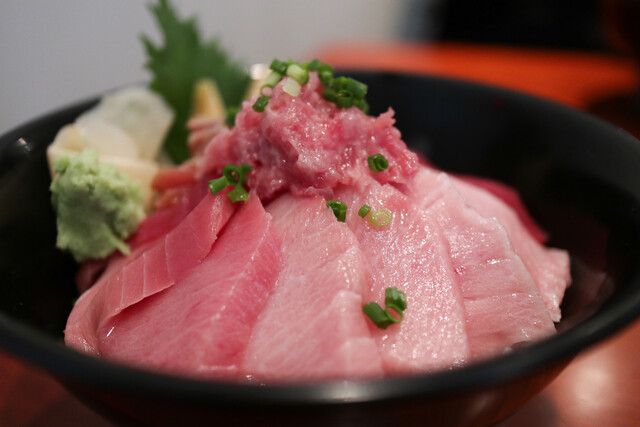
(306, 145)
(273, 288)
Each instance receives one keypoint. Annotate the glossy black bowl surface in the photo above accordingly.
(579, 176)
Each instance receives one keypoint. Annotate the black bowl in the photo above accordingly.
(579, 176)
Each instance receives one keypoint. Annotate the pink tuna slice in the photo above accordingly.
(511, 198)
(308, 145)
(162, 221)
(154, 226)
(201, 325)
(410, 254)
(549, 267)
(149, 269)
(501, 301)
(313, 327)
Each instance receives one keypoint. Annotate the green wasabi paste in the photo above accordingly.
(97, 207)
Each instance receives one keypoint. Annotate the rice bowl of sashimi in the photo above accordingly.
(321, 235)
(577, 188)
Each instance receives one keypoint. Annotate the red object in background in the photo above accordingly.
(601, 387)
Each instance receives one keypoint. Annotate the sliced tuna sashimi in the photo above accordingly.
(154, 226)
(201, 325)
(502, 303)
(149, 269)
(492, 329)
(411, 255)
(313, 326)
(162, 221)
(510, 197)
(549, 267)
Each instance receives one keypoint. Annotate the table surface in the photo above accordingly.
(600, 387)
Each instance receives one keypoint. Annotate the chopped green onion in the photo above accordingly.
(315, 65)
(339, 209)
(345, 92)
(273, 79)
(238, 194)
(298, 73)
(279, 66)
(364, 210)
(261, 103)
(344, 101)
(339, 83)
(244, 173)
(380, 217)
(216, 185)
(232, 175)
(325, 76)
(292, 87)
(378, 315)
(236, 174)
(377, 162)
(330, 95)
(358, 89)
(395, 300)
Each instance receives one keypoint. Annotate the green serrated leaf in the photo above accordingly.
(177, 65)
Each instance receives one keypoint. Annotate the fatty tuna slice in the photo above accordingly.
(152, 227)
(147, 270)
(313, 327)
(164, 220)
(410, 254)
(201, 325)
(502, 303)
(549, 267)
(510, 197)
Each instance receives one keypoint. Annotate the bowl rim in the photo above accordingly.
(66, 364)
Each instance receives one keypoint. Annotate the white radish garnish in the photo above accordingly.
(126, 128)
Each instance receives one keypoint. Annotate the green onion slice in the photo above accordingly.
(339, 209)
(216, 185)
(359, 90)
(377, 162)
(378, 315)
(344, 101)
(292, 87)
(279, 66)
(380, 217)
(345, 92)
(330, 95)
(395, 300)
(364, 210)
(273, 79)
(232, 175)
(260, 103)
(238, 194)
(298, 73)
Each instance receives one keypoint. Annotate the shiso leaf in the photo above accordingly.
(183, 60)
